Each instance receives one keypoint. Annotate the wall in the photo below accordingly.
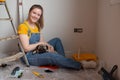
(108, 45)
(61, 17)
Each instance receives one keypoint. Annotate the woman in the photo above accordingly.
(29, 33)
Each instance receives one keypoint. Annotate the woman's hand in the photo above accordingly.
(41, 43)
(51, 49)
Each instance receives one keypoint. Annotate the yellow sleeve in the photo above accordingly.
(22, 29)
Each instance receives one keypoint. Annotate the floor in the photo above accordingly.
(58, 74)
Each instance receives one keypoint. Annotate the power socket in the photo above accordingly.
(78, 30)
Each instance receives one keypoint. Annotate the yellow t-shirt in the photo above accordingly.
(24, 28)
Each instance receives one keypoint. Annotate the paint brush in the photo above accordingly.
(37, 74)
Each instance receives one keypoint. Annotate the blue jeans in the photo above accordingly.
(57, 44)
(50, 58)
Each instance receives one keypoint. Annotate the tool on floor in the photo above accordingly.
(4, 65)
(109, 75)
(37, 74)
(17, 72)
(48, 71)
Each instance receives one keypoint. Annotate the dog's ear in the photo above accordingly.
(46, 47)
(36, 49)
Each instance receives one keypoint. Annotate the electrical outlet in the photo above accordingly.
(78, 30)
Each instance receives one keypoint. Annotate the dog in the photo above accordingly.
(40, 49)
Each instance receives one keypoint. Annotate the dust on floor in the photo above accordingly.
(59, 74)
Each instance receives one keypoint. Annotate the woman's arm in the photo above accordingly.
(25, 43)
(50, 47)
(41, 38)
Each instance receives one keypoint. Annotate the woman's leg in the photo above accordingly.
(52, 59)
(64, 62)
(38, 59)
(57, 44)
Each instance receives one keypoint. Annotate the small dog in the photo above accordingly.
(40, 49)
